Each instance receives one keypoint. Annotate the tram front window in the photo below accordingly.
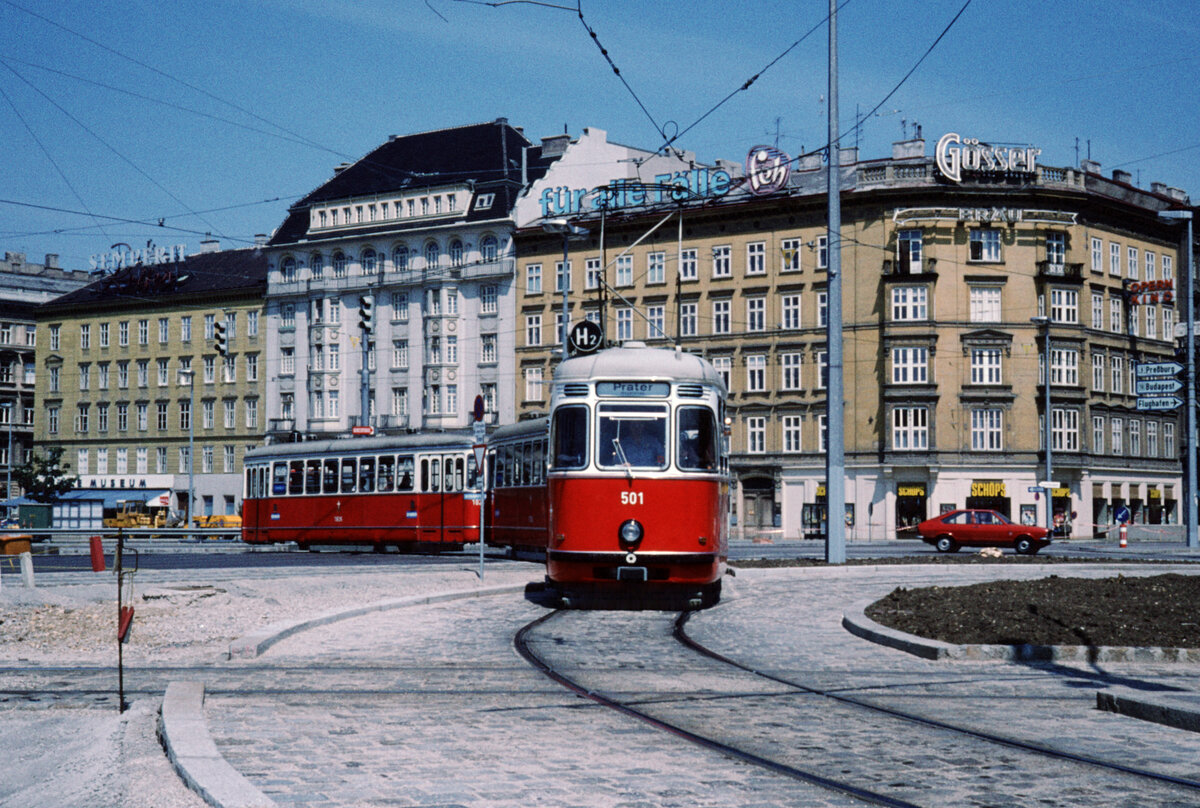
(697, 439)
(570, 437)
(633, 435)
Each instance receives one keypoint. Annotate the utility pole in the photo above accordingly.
(835, 443)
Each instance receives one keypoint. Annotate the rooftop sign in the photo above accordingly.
(767, 170)
(627, 193)
(129, 257)
(955, 155)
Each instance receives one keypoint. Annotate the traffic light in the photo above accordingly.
(221, 338)
(366, 312)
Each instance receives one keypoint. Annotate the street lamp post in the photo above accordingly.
(1044, 322)
(568, 230)
(1186, 271)
(191, 377)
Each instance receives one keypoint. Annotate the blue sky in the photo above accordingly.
(214, 116)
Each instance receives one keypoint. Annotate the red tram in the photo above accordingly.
(404, 490)
(637, 476)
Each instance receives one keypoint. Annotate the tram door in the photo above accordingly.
(442, 513)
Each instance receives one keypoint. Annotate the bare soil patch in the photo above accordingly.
(1162, 610)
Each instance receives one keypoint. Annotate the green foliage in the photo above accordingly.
(44, 479)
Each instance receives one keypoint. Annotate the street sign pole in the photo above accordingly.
(479, 448)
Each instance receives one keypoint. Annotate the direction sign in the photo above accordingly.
(1158, 386)
(1161, 403)
(1145, 370)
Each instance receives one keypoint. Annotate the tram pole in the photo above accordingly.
(835, 448)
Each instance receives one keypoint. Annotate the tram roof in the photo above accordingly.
(634, 360)
(532, 427)
(415, 441)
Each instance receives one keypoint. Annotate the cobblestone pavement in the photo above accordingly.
(431, 706)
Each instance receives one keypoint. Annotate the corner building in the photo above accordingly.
(946, 259)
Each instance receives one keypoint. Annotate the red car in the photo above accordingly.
(980, 528)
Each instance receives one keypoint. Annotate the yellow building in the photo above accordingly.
(947, 261)
(132, 384)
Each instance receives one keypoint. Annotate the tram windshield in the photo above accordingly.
(697, 439)
(633, 435)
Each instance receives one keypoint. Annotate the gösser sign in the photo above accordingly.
(955, 155)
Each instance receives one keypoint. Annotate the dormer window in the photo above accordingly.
(484, 201)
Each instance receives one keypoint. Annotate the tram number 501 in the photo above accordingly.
(632, 498)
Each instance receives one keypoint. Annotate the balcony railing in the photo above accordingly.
(1054, 269)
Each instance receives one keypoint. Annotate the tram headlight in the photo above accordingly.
(630, 534)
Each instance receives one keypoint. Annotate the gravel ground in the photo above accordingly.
(68, 755)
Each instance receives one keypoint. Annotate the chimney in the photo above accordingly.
(555, 145)
(210, 244)
(907, 149)
(1090, 166)
(260, 239)
(1122, 176)
(52, 261)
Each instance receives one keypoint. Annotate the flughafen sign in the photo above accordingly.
(956, 154)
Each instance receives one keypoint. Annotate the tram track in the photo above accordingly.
(886, 780)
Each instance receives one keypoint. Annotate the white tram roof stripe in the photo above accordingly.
(635, 361)
(412, 442)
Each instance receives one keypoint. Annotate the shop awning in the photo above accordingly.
(112, 497)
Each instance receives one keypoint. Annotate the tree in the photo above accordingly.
(44, 479)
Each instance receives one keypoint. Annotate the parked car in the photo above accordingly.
(980, 528)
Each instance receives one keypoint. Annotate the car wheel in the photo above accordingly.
(945, 544)
(1025, 546)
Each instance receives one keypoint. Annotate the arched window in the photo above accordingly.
(432, 255)
(456, 253)
(317, 264)
(288, 269)
(339, 264)
(400, 258)
(489, 248)
(368, 261)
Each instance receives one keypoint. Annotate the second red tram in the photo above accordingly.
(637, 476)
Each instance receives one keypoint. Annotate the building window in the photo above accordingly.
(533, 384)
(790, 254)
(533, 279)
(143, 416)
(1097, 372)
(724, 367)
(909, 303)
(1064, 305)
(656, 322)
(985, 304)
(489, 249)
(1064, 367)
(756, 258)
(721, 262)
(687, 319)
(1098, 255)
(1117, 443)
(533, 329)
(400, 402)
(1064, 436)
(1117, 367)
(910, 428)
(720, 316)
(822, 369)
(1168, 430)
(1056, 249)
(756, 314)
(756, 434)
(822, 252)
(624, 270)
(1168, 269)
(656, 268)
(1098, 434)
(1135, 438)
(822, 309)
(756, 373)
(987, 433)
(688, 265)
(908, 252)
(624, 324)
(562, 278)
(791, 364)
(985, 366)
(1115, 314)
(791, 311)
(985, 245)
(791, 433)
(591, 273)
(143, 332)
(910, 365)
(1132, 263)
(487, 348)
(85, 336)
(487, 299)
(161, 410)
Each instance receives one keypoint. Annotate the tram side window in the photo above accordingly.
(404, 472)
(296, 477)
(697, 439)
(539, 462)
(348, 465)
(520, 469)
(458, 474)
(570, 437)
(366, 474)
(387, 472)
(279, 478)
(329, 481)
(472, 472)
(498, 468)
(312, 476)
(431, 475)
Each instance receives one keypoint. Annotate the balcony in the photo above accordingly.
(905, 268)
(1053, 270)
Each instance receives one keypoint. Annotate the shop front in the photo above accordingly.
(990, 494)
(911, 508)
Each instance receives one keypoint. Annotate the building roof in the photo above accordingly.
(493, 157)
(220, 273)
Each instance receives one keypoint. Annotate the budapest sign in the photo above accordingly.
(956, 154)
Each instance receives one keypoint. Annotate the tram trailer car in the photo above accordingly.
(405, 491)
(517, 503)
(638, 479)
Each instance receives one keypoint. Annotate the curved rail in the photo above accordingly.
(522, 644)
(1013, 743)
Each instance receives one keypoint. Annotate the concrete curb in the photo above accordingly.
(253, 645)
(1174, 709)
(856, 622)
(196, 758)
